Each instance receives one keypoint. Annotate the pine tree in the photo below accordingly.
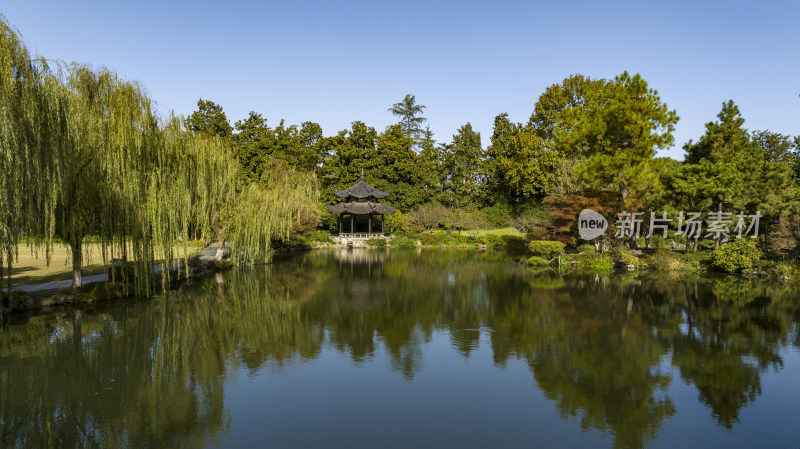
(410, 117)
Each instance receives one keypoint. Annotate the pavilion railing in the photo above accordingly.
(360, 235)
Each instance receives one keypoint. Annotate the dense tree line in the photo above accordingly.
(588, 143)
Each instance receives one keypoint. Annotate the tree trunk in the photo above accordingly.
(8, 273)
(77, 259)
(719, 237)
(220, 233)
(6, 302)
(623, 191)
(220, 250)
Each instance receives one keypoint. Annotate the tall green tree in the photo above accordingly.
(572, 92)
(32, 133)
(775, 191)
(727, 169)
(520, 162)
(465, 168)
(301, 148)
(350, 152)
(209, 119)
(397, 169)
(410, 114)
(619, 129)
(431, 167)
(254, 140)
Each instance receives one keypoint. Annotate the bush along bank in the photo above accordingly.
(739, 257)
(322, 239)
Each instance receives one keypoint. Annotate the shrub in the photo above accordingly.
(586, 248)
(547, 248)
(514, 243)
(427, 216)
(494, 240)
(538, 261)
(667, 260)
(329, 222)
(319, 236)
(482, 241)
(623, 256)
(657, 241)
(472, 221)
(396, 222)
(594, 262)
(428, 239)
(17, 300)
(404, 242)
(700, 261)
(737, 255)
(498, 215)
(782, 271)
(376, 243)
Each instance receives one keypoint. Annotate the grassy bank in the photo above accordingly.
(32, 268)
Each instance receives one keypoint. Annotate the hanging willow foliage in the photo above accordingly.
(247, 216)
(31, 118)
(82, 153)
(267, 210)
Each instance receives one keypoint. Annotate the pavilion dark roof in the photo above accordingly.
(362, 190)
(361, 208)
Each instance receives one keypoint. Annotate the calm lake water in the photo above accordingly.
(400, 349)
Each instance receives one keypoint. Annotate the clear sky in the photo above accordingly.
(336, 62)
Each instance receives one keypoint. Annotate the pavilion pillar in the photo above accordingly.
(352, 224)
(383, 220)
(340, 223)
(370, 223)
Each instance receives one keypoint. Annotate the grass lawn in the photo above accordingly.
(32, 270)
(483, 232)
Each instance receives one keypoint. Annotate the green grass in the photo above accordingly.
(30, 269)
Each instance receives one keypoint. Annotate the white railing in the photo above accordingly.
(361, 235)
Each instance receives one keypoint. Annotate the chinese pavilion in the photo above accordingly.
(360, 199)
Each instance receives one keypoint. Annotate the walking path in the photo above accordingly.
(55, 285)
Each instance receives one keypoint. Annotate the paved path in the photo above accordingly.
(209, 253)
(55, 285)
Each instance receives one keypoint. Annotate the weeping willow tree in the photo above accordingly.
(246, 215)
(109, 171)
(84, 154)
(267, 210)
(31, 125)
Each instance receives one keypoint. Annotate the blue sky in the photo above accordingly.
(336, 62)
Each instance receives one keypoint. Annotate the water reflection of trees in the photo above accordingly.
(599, 347)
(731, 334)
(148, 374)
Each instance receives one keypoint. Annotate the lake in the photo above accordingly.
(411, 348)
